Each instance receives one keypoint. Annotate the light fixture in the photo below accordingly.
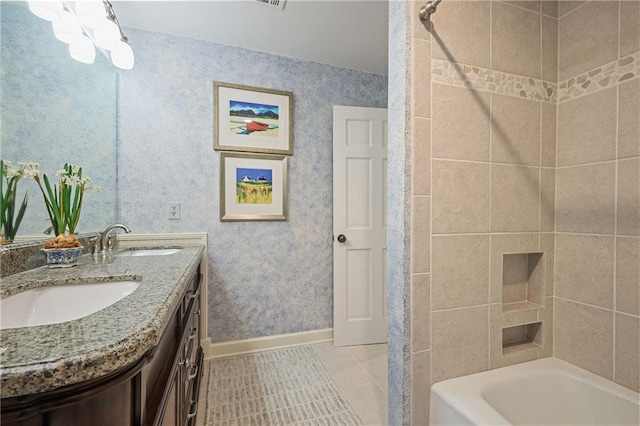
(82, 50)
(67, 29)
(91, 13)
(108, 35)
(122, 55)
(86, 25)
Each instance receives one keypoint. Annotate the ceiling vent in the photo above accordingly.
(277, 4)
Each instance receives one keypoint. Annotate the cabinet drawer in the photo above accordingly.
(190, 299)
(191, 346)
(191, 404)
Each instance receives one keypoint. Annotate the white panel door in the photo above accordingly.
(359, 225)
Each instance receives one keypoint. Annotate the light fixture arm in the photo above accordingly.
(108, 7)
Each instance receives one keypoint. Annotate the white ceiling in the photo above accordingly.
(346, 33)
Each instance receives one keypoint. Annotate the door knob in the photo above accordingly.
(342, 238)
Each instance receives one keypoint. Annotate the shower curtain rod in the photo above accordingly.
(428, 9)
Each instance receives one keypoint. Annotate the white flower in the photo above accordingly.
(88, 183)
(30, 170)
(69, 180)
(12, 170)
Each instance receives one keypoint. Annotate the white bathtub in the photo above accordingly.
(547, 391)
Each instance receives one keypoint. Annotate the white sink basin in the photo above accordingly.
(61, 303)
(149, 252)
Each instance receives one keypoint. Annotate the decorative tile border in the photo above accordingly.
(600, 78)
(478, 78)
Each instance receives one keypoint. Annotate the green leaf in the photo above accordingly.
(54, 207)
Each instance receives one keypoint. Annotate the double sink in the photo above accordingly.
(60, 303)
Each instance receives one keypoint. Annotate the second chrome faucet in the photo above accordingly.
(102, 245)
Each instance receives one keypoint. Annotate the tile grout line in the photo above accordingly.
(502, 163)
(367, 373)
(555, 190)
(615, 213)
(490, 233)
(566, 299)
(431, 204)
(339, 389)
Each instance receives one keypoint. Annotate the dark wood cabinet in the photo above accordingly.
(160, 389)
(177, 406)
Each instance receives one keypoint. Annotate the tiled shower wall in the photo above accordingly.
(598, 190)
(485, 99)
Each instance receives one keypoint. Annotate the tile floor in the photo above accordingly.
(359, 373)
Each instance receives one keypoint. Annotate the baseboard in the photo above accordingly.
(239, 347)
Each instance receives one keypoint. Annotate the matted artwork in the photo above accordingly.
(253, 187)
(252, 119)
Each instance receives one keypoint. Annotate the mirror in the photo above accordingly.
(55, 110)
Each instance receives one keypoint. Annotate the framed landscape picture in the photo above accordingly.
(252, 119)
(253, 186)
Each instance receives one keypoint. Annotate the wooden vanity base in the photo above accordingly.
(160, 389)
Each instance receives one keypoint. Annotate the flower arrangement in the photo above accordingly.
(11, 175)
(64, 203)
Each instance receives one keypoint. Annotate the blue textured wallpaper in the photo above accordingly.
(53, 110)
(265, 278)
(398, 231)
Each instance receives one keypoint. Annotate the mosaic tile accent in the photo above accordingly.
(600, 78)
(479, 78)
(287, 386)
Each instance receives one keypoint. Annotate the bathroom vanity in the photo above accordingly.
(135, 362)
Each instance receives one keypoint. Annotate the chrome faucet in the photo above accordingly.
(104, 236)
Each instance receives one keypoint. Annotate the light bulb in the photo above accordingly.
(91, 13)
(82, 50)
(122, 56)
(107, 36)
(48, 10)
(67, 29)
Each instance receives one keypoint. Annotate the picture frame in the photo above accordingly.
(253, 187)
(252, 119)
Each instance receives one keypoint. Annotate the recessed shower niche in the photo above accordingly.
(522, 337)
(522, 281)
(523, 291)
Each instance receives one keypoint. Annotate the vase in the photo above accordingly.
(62, 257)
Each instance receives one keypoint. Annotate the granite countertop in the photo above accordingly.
(43, 358)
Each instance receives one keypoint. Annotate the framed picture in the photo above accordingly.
(252, 119)
(253, 186)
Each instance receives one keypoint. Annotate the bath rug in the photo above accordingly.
(280, 387)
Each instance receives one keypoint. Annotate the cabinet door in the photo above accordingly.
(171, 414)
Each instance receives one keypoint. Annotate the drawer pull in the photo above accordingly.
(193, 413)
(191, 376)
(193, 334)
(185, 362)
(192, 294)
